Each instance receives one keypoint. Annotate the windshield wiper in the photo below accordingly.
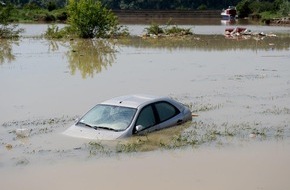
(106, 128)
(85, 124)
(98, 127)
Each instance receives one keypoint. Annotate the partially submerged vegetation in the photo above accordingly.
(156, 30)
(91, 19)
(8, 30)
(192, 134)
(195, 133)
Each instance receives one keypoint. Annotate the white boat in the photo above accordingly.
(230, 13)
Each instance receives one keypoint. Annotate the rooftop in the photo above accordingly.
(133, 101)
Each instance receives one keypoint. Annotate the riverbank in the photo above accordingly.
(279, 21)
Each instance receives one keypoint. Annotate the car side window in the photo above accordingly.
(166, 110)
(146, 117)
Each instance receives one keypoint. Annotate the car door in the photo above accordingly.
(146, 117)
(157, 116)
(167, 114)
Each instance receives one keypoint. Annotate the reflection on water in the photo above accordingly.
(90, 56)
(6, 54)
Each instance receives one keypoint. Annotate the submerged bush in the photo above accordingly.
(89, 18)
(168, 29)
(55, 32)
(8, 30)
(178, 30)
(154, 29)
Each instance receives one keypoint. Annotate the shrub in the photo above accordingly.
(8, 30)
(202, 7)
(62, 16)
(154, 29)
(89, 18)
(51, 6)
(178, 30)
(243, 8)
(284, 9)
(54, 32)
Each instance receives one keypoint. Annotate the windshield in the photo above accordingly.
(107, 116)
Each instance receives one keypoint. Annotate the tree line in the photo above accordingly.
(245, 7)
(94, 18)
(149, 4)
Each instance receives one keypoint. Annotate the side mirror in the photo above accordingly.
(139, 128)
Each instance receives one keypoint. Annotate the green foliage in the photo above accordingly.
(154, 29)
(202, 7)
(244, 8)
(284, 8)
(8, 30)
(91, 19)
(31, 6)
(5, 13)
(42, 15)
(178, 30)
(264, 9)
(53, 32)
(168, 4)
(267, 15)
(61, 16)
(51, 6)
(258, 6)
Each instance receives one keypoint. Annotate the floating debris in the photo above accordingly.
(8, 146)
(252, 135)
(23, 132)
(240, 32)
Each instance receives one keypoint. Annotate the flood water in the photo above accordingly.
(239, 87)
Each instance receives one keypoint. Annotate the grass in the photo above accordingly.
(39, 15)
(194, 134)
(155, 30)
(54, 32)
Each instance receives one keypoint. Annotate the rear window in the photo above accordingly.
(166, 110)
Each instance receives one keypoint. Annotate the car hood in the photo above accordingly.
(90, 133)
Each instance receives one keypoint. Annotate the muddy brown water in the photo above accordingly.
(240, 89)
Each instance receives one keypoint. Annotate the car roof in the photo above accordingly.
(134, 101)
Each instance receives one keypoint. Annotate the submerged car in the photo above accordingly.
(125, 116)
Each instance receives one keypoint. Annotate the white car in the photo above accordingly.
(125, 116)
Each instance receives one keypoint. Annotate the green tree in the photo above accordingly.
(51, 5)
(284, 9)
(8, 30)
(243, 8)
(89, 18)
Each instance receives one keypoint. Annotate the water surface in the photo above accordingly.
(240, 88)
